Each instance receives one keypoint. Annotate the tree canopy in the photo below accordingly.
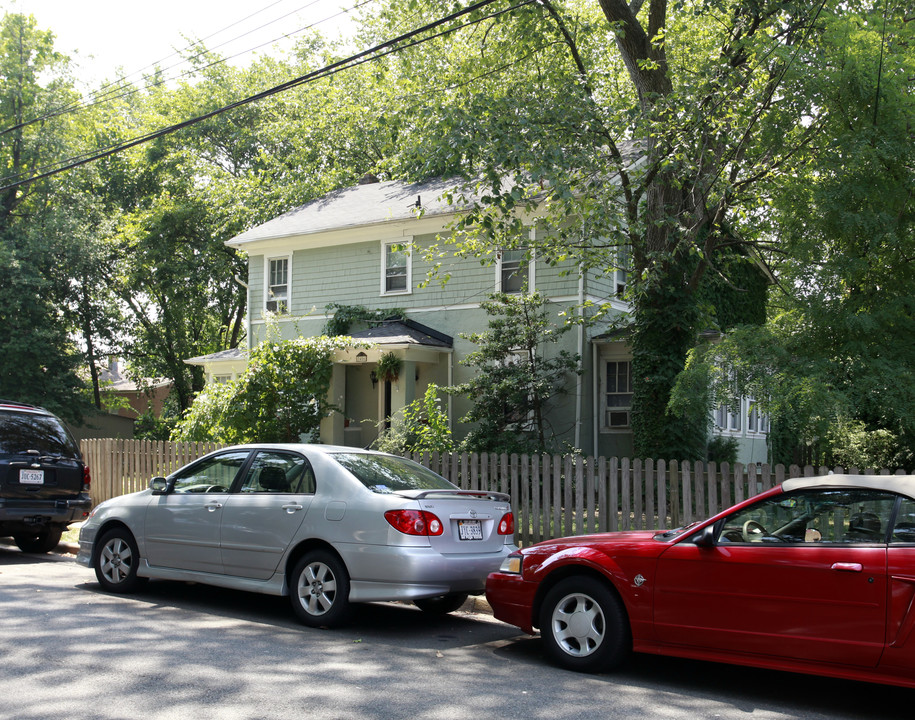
(707, 140)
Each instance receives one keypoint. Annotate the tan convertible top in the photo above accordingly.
(901, 484)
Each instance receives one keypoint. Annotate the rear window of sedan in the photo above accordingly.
(388, 473)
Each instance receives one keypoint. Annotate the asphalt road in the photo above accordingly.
(189, 652)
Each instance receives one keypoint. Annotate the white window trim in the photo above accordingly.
(622, 273)
(605, 427)
(531, 272)
(408, 243)
(745, 408)
(762, 420)
(267, 260)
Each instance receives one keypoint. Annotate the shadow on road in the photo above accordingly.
(381, 621)
(749, 689)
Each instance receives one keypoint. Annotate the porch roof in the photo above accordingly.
(404, 332)
(223, 355)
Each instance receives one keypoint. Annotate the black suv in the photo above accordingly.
(44, 484)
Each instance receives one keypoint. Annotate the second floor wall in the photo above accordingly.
(414, 273)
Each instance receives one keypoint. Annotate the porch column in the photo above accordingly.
(331, 429)
(403, 392)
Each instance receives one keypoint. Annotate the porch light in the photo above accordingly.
(373, 376)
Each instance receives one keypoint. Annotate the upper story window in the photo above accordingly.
(618, 394)
(514, 271)
(623, 271)
(277, 290)
(396, 269)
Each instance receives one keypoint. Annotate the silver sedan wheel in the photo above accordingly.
(116, 560)
(317, 588)
(578, 625)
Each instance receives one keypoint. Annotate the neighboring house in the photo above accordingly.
(374, 245)
(134, 398)
(127, 400)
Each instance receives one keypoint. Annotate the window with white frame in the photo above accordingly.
(396, 268)
(728, 417)
(513, 271)
(277, 291)
(222, 379)
(757, 421)
(617, 394)
(623, 271)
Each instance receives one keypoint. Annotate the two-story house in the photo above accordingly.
(374, 245)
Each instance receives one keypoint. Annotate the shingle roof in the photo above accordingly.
(356, 206)
(404, 332)
(230, 354)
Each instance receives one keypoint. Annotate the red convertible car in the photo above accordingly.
(815, 576)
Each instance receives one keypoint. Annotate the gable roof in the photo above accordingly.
(368, 204)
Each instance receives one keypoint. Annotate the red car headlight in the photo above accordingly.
(512, 564)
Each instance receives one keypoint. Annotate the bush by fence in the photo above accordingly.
(552, 495)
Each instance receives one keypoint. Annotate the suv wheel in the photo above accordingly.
(43, 541)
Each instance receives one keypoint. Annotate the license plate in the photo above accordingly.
(31, 477)
(470, 530)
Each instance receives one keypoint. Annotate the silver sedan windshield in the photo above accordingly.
(387, 474)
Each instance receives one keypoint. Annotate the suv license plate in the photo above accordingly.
(31, 477)
(470, 530)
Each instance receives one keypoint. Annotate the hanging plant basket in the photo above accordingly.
(389, 366)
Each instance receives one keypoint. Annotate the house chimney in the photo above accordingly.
(369, 179)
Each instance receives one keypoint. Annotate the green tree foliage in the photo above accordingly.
(421, 426)
(281, 396)
(656, 126)
(514, 381)
(834, 365)
(38, 361)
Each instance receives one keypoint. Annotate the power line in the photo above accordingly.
(374, 53)
(107, 93)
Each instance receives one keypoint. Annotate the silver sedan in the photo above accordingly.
(327, 526)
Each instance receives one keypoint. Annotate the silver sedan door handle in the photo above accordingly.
(847, 567)
(213, 506)
(292, 507)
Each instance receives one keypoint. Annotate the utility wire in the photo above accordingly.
(374, 53)
(106, 93)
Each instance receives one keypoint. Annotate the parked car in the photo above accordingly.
(44, 483)
(815, 576)
(327, 526)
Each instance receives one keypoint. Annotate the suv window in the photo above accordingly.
(24, 431)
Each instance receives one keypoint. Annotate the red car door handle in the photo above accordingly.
(847, 567)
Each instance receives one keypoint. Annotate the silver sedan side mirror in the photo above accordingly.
(158, 485)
